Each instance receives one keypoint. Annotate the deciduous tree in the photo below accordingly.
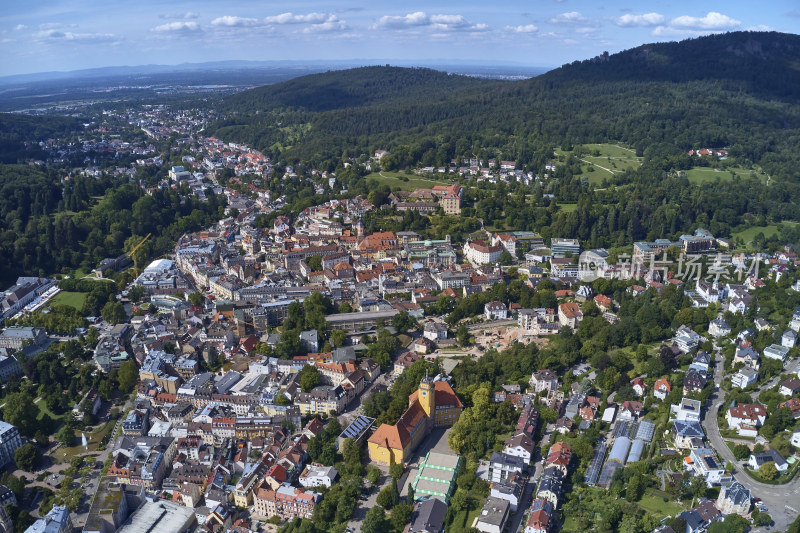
(768, 471)
(27, 457)
(128, 376)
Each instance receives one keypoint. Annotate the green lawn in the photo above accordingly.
(653, 503)
(612, 159)
(567, 208)
(569, 524)
(614, 151)
(79, 273)
(464, 519)
(748, 234)
(73, 299)
(404, 339)
(597, 176)
(43, 410)
(393, 180)
(699, 175)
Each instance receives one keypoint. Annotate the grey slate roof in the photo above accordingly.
(429, 517)
(736, 493)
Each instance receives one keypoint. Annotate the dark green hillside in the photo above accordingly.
(762, 64)
(17, 130)
(352, 88)
(736, 90)
(47, 225)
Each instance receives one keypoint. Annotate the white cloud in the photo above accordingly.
(453, 21)
(56, 25)
(178, 27)
(686, 25)
(318, 22)
(440, 22)
(55, 36)
(180, 16)
(412, 19)
(573, 18)
(20, 27)
(669, 31)
(331, 25)
(760, 27)
(236, 22)
(647, 19)
(291, 18)
(712, 21)
(528, 28)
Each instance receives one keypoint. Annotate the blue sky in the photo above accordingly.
(44, 35)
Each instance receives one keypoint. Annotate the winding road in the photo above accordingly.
(781, 500)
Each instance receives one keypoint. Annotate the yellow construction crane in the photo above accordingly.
(132, 255)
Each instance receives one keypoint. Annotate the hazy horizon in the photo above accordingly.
(69, 35)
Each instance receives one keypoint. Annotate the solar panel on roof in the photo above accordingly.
(357, 427)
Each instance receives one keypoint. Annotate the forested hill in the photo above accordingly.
(760, 63)
(735, 90)
(352, 88)
(18, 130)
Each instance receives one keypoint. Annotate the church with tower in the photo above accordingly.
(433, 405)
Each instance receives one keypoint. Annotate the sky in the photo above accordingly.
(62, 35)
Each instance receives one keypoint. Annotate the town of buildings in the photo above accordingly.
(227, 449)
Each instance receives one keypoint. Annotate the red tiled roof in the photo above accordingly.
(570, 309)
(391, 437)
(747, 410)
(444, 395)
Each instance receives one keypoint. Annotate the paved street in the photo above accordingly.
(776, 497)
(516, 523)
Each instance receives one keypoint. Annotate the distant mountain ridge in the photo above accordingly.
(308, 66)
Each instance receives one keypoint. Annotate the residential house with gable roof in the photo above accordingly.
(662, 388)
